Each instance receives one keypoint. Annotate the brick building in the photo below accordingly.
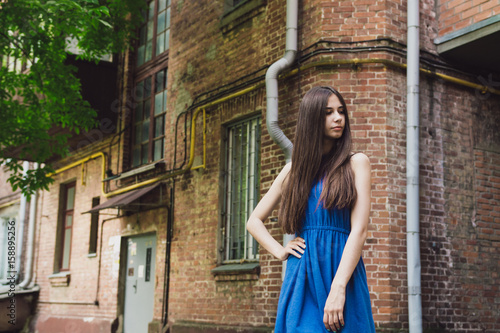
(144, 224)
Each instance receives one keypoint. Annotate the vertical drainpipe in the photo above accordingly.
(28, 268)
(22, 217)
(272, 74)
(412, 170)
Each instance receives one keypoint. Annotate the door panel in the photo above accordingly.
(139, 283)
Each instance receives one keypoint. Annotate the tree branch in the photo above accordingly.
(16, 44)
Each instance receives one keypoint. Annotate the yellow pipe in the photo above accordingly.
(169, 175)
(144, 183)
(82, 161)
(192, 143)
(204, 139)
(259, 85)
(234, 95)
(204, 163)
(392, 63)
(387, 62)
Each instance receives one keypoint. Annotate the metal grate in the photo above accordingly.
(241, 188)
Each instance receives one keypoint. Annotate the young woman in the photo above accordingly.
(325, 201)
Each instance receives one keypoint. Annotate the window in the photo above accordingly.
(149, 119)
(14, 60)
(154, 34)
(66, 225)
(231, 4)
(241, 182)
(13, 64)
(237, 12)
(148, 138)
(94, 226)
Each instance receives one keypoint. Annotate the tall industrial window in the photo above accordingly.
(241, 181)
(94, 227)
(150, 94)
(149, 119)
(154, 33)
(67, 226)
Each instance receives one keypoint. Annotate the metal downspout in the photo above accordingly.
(272, 74)
(168, 251)
(28, 269)
(412, 170)
(22, 217)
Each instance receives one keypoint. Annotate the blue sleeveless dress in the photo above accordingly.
(308, 280)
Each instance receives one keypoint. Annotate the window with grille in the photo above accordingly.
(241, 184)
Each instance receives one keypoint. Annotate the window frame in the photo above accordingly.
(65, 213)
(152, 138)
(229, 198)
(155, 58)
(149, 69)
(12, 63)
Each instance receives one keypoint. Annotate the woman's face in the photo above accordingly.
(335, 118)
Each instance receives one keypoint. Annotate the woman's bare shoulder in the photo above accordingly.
(360, 161)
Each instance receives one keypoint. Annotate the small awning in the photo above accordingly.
(124, 199)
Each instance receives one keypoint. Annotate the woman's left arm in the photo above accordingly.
(360, 215)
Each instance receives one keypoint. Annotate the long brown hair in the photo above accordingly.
(310, 165)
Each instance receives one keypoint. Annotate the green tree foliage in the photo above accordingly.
(42, 92)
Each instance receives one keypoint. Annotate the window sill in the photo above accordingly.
(92, 255)
(138, 170)
(60, 279)
(237, 272)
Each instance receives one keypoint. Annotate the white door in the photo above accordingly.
(139, 284)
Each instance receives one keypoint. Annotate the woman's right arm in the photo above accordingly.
(256, 227)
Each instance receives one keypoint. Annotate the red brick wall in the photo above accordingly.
(362, 20)
(455, 163)
(457, 14)
(82, 286)
(459, 249)
(194, 255)
(70, 307)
